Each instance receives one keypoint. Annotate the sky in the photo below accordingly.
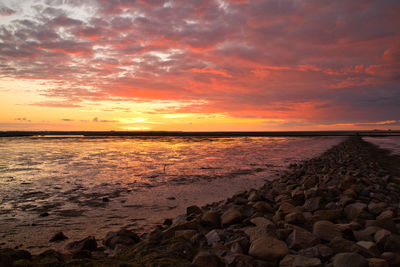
(199, 65)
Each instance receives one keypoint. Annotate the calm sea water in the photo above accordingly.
(89, 186)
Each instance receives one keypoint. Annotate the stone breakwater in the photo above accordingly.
(339, 209)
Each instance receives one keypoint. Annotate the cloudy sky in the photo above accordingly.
(199, 65)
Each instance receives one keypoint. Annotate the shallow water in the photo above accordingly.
(145, 180)
(391, 143)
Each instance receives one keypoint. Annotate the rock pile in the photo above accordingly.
(340, 209)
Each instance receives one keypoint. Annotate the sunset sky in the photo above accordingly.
(199, 65)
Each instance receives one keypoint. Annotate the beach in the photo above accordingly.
(335, 209)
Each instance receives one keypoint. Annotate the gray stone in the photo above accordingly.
(212, 237)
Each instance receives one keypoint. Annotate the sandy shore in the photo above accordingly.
(339, 209)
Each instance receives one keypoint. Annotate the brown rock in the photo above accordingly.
(287, 208)
(301, 261)
(380, 237)
(312, 204)
(391, 258)
(211, 218)
(207, 259)
(355, 210)
(193, 210)
(326, 230)
(349, 260)
(366, 234)
(89, 243)
(376, 262)
(287, 261)
(122, 237)
(371, 246)
(327, 215)
(187, 234)
(387, 214)
(376, 208)
(231, 216)
(295, 218)
(263, 207)
(300, 239)
(268, 248)
(392, 244)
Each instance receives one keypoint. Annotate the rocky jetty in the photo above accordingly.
(339, 209)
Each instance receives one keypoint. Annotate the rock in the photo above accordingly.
(193, 210)
(327, 215)
(263, 207)
(301, 261)
(312, 204)
(392, 244)
(58, 237)
(211, 218)
(326, 230)
(167, 222)
(106, 199)
(366, 234)
(391, 258)
(8, 256)
(355, 210)
(376, 208)
(82, 254)
(89, 243)
(295, 218)
(231, 216)
(349, 260)
(319, 251)
(380, 237)
(207, 259)
(44, 214)
(263, 222)
(187, 234)
(268, 248)
(387, 214)
(300, 239)
(371, 246)
(212, 237)
(123, 237)
(376, 262)
(256, 232)
(287, 208)
(287, 261)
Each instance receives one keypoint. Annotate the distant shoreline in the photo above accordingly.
(198, 134)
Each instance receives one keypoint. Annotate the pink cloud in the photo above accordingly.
(290, 59)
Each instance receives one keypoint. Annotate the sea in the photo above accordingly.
(92, 185)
